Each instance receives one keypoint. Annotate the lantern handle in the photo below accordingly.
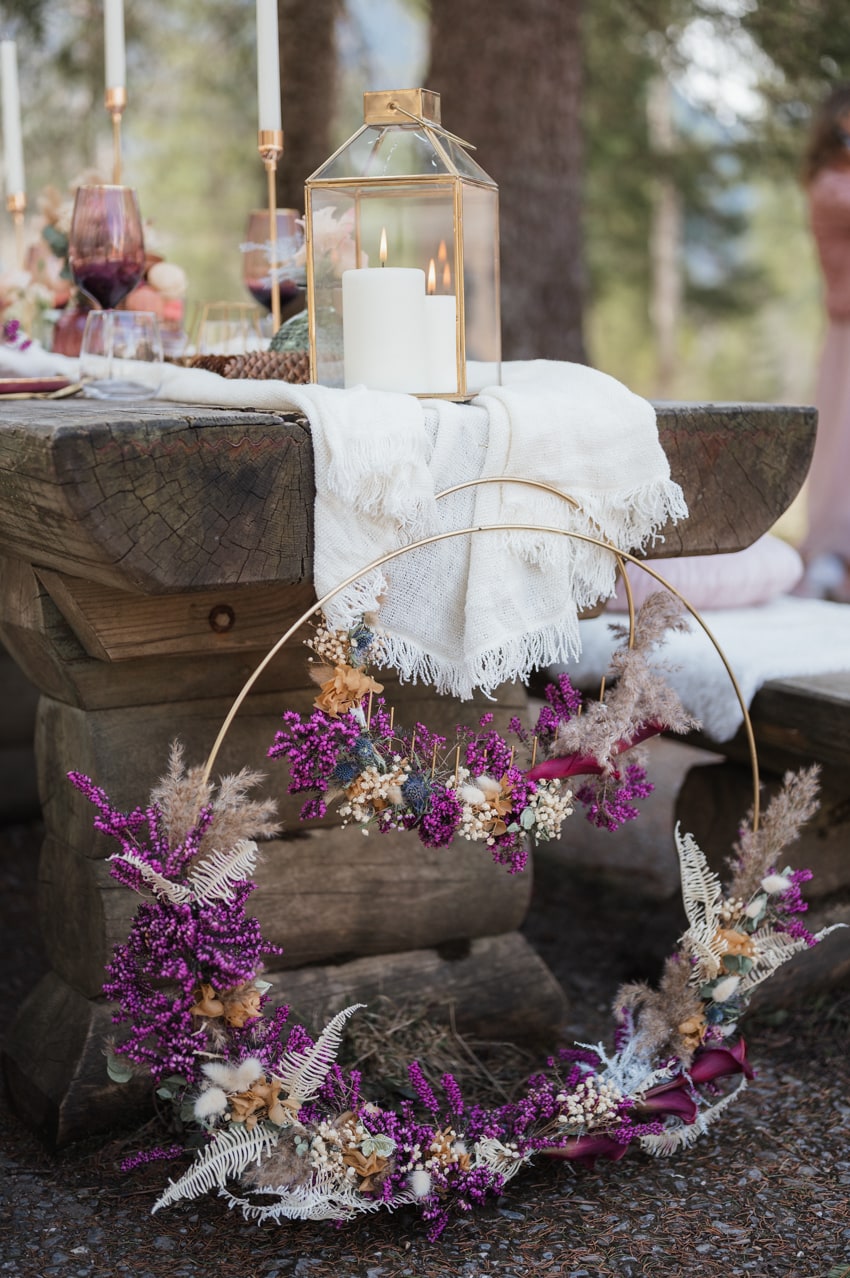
(429, 124)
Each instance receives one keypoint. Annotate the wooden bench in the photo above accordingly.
(151, 555)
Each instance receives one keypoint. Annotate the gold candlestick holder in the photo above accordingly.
(116, 101)
(17, 206)
(270, 147)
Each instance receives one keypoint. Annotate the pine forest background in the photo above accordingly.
(647, 153)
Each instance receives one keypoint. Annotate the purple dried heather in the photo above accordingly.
(454, 1095)
(563, 702)
(800, 933)
(608, 801)
(171, 951)
(313, 747)
(490, 754)
(156, 1155)
(439, 825)
(510, 850)
(422, 1087)
(791, 901)
(518, 728)
(299, 1040)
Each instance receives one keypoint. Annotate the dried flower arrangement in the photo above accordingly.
(270, 1111)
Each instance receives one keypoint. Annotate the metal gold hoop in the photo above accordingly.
(622, 557)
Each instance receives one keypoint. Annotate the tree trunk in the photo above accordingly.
(308, 89)
(510, 79)
(665, 305)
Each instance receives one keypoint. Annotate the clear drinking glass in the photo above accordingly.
(121, 355)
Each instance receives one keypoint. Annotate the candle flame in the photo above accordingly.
(383, 250)
(442, 252)
(447, 278)
(431, 286)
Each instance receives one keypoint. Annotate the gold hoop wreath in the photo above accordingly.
(277, 1126)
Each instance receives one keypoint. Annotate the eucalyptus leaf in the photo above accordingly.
(379, 1144)
(527, 818)
(262, 986)
(117, 1070)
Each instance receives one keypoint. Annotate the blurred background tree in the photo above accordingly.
(646, 150)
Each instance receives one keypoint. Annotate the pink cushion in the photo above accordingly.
(768, 568)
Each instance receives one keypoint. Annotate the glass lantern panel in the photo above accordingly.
(463, 163)
(385, 151)
(481, 286)
(347, 226)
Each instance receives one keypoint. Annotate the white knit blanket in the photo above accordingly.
(470, 612)
(783, 639)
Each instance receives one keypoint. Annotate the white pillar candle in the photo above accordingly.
(268, 66)
(383, 326)
(441, 343)
(13, 151)
(113, 39)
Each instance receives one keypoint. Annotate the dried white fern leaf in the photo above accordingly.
(161, 887)
(683, 1137)
(225, 1158)
(772, 950)
(491, 1153)
(215, 877)
(302, 1073)
(324, 1197)
(702, 895)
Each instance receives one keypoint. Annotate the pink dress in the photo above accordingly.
(829, 477)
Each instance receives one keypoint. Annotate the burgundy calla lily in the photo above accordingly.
(672, 1097)
(586, 1149)
(716, 1062)
(571, 765)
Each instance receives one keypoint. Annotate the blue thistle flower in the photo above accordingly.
(365, 753)
(415, 792)
(360, 640)
(345, 771)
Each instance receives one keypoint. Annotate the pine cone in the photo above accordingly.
(286, 366)
(211, 363)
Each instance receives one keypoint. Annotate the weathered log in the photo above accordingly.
(19, 699)
(715, 798)
(797, 721)
(165, 500)
(56, 1072)
(113, 625)
(174, 499)
(125, 750)
(323, 897)
(51, 656)
(740, 466)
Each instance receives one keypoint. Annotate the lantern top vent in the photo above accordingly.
(402, 136)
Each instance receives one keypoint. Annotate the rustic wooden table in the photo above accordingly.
(150, 556)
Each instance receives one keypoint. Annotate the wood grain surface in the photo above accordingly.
(167, 498)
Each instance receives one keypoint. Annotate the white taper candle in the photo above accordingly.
(268, 66)
(113, 39)
(13, 151)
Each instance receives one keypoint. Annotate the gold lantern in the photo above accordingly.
(402, 230)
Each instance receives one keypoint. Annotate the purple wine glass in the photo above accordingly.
(106, 251)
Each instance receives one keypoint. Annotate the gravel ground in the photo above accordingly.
(766, 1193)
